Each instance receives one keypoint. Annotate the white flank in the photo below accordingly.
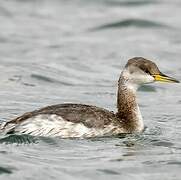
(53, 125)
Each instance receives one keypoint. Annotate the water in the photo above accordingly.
(73, 51)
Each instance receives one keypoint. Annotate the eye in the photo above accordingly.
(147, 71)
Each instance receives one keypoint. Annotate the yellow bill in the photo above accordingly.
(164, 78)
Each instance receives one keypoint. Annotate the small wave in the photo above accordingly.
(49, 80)
(139, 23)
(5, 12)
(4, 170)
(162, 143)
(108, 171)
(130, 3)
(42, 78)
(19, 78)
(174, 162)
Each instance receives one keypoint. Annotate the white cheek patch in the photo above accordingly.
(137, 77)
(141, 78)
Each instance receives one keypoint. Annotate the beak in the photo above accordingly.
(164, 78)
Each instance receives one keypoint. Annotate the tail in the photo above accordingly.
(6, 128)
(2, 127)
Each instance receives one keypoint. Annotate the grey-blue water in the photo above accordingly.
(56, 51)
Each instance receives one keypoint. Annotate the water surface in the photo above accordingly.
(73, 51)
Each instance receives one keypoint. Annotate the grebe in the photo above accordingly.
(79, 120)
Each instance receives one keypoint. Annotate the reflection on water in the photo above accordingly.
(73, 51)
(18, 139)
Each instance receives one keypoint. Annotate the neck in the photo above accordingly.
(128, 110)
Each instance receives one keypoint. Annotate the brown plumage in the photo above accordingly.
(76, 113)
(144, 64)
(97, 121)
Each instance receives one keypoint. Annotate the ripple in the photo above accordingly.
(108, 171)
(19, 78)
(139, 23)
(5, 12)
(175, 162)
(147, 88)
(162, 143)
(42, 78)
(18, 139)
(3, 152)
(49, 80)
(49, 141)
(4, 170)
(131, 3)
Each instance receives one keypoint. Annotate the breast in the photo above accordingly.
(65, 120)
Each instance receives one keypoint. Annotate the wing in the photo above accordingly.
(90, 116)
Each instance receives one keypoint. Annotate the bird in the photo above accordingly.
(86, 121)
